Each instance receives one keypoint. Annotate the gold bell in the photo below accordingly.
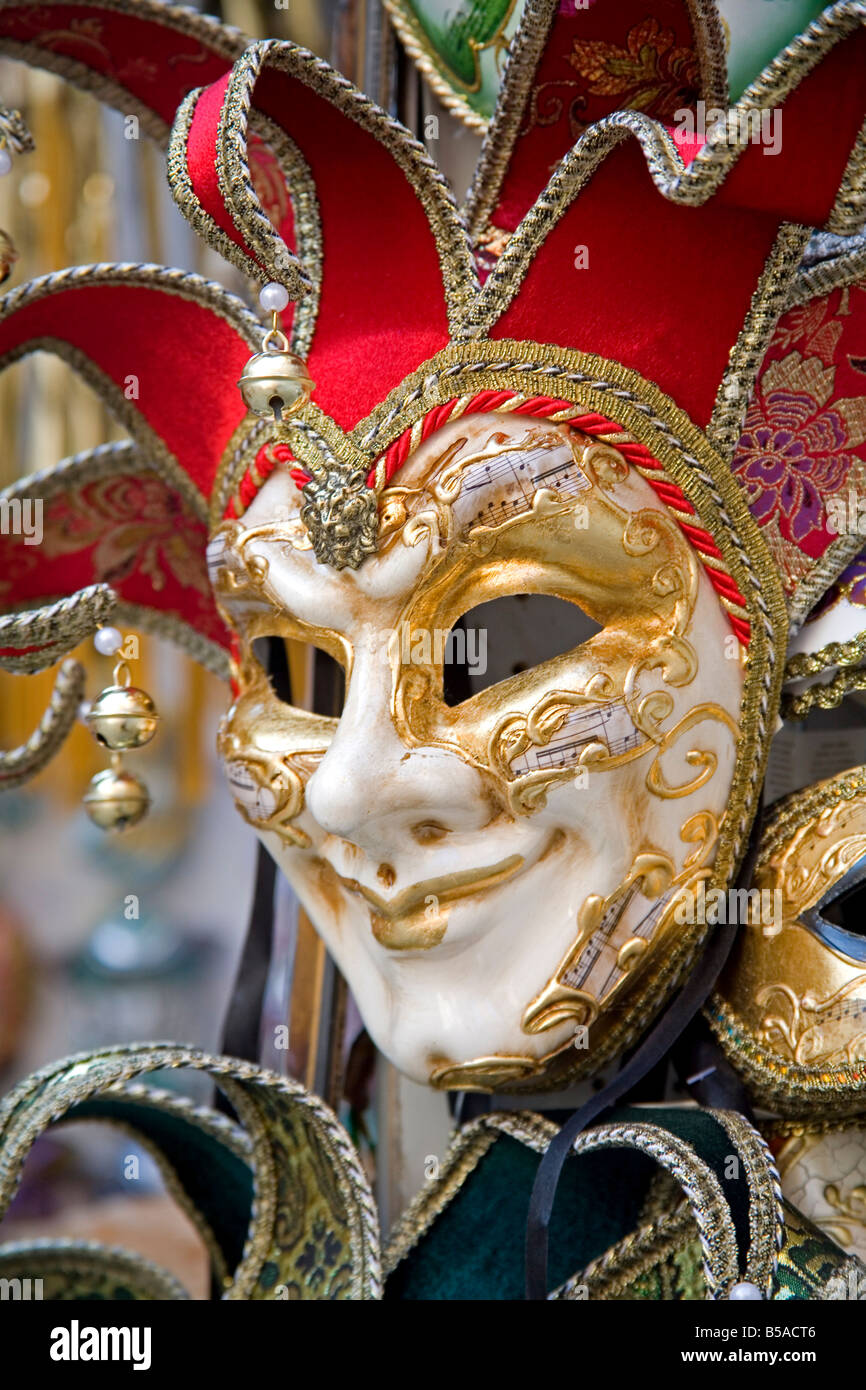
(122, 716)
(115, 799)
(275, 382)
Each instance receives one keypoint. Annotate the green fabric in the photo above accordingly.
(217, 1182)
(475, 1248)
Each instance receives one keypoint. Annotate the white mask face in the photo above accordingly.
(490, 875)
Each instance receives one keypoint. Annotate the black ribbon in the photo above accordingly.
(243, 1021)
(655, 1046)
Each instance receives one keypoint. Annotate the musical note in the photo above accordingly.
(610, 725)
(515, 476)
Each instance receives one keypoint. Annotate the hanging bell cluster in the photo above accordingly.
(121, 718)
(275, 382)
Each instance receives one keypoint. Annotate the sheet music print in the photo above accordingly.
(596, 970)
(609, 724)
(512, 478)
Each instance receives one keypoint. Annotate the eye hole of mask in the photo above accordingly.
(496, 640)
(320, 680)
(848, 910)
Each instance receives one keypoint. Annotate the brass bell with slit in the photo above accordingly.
(122, 717)
(115, 799)
(275, 382)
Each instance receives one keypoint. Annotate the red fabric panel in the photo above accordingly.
(820, 122)
(201, 159)
(130, 531)
(382, 310)
(658, 295)
(187, 361)
(631, 53)
(146, 56)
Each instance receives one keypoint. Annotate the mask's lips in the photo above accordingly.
(445, 888)
(416, 918)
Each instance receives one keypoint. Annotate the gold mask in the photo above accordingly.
(496, 876)
(790, 1012)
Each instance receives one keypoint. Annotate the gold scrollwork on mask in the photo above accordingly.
(652, 874)
(802, 1031)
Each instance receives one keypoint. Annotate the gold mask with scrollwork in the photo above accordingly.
(790, 1011)
(495, 876)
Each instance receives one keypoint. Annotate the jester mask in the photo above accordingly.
(623, 384)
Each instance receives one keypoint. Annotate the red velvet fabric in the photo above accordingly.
(201, 159)
(382, 307)
(382, 310)
(186, 360)
(665, 289)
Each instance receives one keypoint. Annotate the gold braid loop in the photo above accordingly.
(22, 763)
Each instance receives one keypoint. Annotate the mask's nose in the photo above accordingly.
(372, 788)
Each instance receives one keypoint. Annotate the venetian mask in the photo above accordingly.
(493, 870)
(597, 387)
(791, 1007)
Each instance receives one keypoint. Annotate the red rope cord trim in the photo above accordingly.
(486, 402)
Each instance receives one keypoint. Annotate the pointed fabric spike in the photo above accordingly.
(162, 348)
(105, 518)
(138, 56)
(655, 266)
(398, 273)
(175, 51)
(572, 65)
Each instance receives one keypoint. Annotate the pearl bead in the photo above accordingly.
(5, 160)
(108, 640)
(745, 1291)
(274, 298)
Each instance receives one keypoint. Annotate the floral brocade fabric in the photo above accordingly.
(802, 451)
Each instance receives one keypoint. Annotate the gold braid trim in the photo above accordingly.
(301, 187)
(57, 625)
(841, 270)
(418, 46)
(688, 186)
(429, 184)
(42, 1098)
(177, 282)
(849, 653)
(611, 1275)
(218, 1126)
(171, 628)
(22, 763)
(766, 1202)
(76, 1260)
(823, 696)
(747, 354)
(67, 621)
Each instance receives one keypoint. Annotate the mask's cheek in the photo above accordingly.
(270, 751)
(532, 732)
